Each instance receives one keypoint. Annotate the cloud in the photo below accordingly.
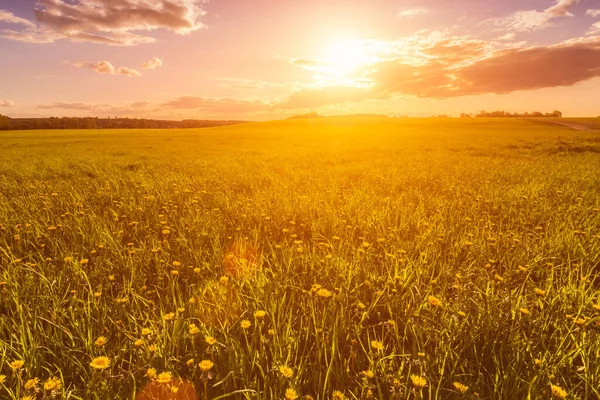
(593, 13)
(106, 68)
(526, 21)
(109, 22)
(216, 105)
(483, 69)
(594, 29)
(69, 106)
(7, 103)
(153, 64)
(7, 16)
(413, 12)
(329, 95)
(508, 36)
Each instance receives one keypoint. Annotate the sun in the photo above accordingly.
(344, 57)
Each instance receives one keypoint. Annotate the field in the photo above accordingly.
(332, 258)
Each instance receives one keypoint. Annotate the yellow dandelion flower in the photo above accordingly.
(210, 340)
(84, 261)
(174, 272)
(369, 374)
(205, 365)
(323, 293)
(224, 280)
(2, 379)
(377, 345)
(460, 387)
(17, 364)
(174, 389)
(434, 301)
(421, 354)
(245, 324)
(418, 381)
(260, 314)
(537, 362)
(337, 395)
(596, 306)
(190, 362)
(539, 292)
(146, 331)
(558, 392)
(462, 314)
(290, 394)
(181, 310)
(164, 377)
(101, 341)
(28, 397)
(169, 316)
(151, 373)
(52, 383)
(286, 371)
(153, 348)
(193, 329)
(176, 264)
(32, 383)
(271, 332)
(111, 278)
(524, 311)
(101, 362)
(139, 342)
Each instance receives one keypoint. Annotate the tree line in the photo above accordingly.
(7, 123)
(506, 114)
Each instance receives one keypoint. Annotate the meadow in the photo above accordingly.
(332, 258)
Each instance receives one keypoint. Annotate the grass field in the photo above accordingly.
(333, 258)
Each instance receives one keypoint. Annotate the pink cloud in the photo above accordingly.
(531, 20)
(111, 22)
(7, 16)
(7, 103)
(153, 64)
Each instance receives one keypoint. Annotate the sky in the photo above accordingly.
(270, 59)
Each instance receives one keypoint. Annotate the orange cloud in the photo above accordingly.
(216, 105)
(153, 64)
(6, 103)
(106, 68)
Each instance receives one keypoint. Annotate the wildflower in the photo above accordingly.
(28, 397)
(153, 348)
(260, 314)
(224, 280)
(558, 392)
(52, 383)
(101, 341)
(174, 389)
(32, 383)
(290, 394)
(169, 316)
(337, 395)
(418, 381)
(193, 329)
(164, 377)
(181, 310)
(377, 345)
(323, 293)
(189, 362)
(176, 264)
(460, 387)
(151, 373)
(462, 314)
(271, 332)
(2, 379)
(596, 307)
(286, 371)
(524, 311)
(17, 364)
(498, 278)
(139, 343)
(84, 261)
(174, 272)
(196, 270)
(540, 292)
(421, 354)
(210, 340)
(146, 331)
(537, 362)
(245, 324)
(101, 362)
(205, 365)
(434, 301)
(369, 374)
(111, 278)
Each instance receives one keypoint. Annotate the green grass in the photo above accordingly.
(381, 213)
